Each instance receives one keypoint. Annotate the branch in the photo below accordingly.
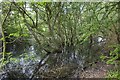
(55, 18)
(30, 28)
(20, 8)
(3, 35)
(43, 59)
(40, 65)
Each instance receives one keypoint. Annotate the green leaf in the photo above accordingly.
(1, 39)
(14, 34)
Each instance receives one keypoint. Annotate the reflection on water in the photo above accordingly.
(27, 57)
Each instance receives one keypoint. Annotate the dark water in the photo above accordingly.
(28, 55)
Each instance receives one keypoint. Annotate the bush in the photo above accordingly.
(113, 74)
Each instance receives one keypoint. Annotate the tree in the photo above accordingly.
(64, 33)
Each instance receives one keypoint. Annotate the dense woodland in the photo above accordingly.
(58, 39)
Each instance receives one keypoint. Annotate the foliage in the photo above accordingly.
(58, 33)
(113, 55)
(113, 74)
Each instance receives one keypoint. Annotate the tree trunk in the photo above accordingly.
(118, 32)
(0, 40)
